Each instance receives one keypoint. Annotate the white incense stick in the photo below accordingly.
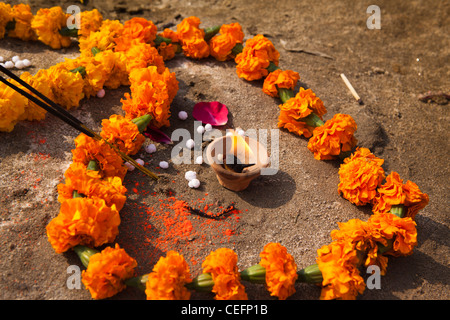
(350, 87)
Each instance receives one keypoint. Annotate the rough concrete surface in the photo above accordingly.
(300, 205)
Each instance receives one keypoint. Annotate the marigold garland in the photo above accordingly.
(114, 54)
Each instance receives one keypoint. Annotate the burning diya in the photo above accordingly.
(236, 160)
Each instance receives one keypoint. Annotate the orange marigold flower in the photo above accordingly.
(281, 270)
(334, 137)
(151, 93)
(22, 16)
(107, 271)
(256, 56)
(90, 21)
(67, 87)
(192, 39)
(286, 79)
(359, 234)
(168, 278)
(47, 23)
(402, 231)
(83, 221)
(109, 162)
(6, 16)
(12, 107)
(79, 179)
(170, 34)
(168, 51)
(360, 175)
(295, 109)
(338, 264)
(220, 46)
(123, 133)
(136, 30)
(222, 265)
(394, 192)
(143, 55)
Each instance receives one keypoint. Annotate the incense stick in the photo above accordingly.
(352, 90)
(62, 114)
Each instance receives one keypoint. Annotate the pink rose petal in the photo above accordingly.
(157, 135)
(214, 113)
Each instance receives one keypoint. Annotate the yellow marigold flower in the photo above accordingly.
(95, 73)
(143, 55)
(33, 111)
(192, 39)
(109, 162)
(338, 263)
(107, 271)
(78, 179)
(281, 270)
(220, 46)
(280, 79)
(47, 23)
(360, 175)
(295, 109)
(6, 16)
(394, 192)
(136, 30)
(222, 265)
(123, 133)
(255, 58)
(151, 93)
(12, 107)
(22, 16)
(67, 87)
(90, 21)
(334, 137)
(402, 231)
(168, 278)
(83, 221)
(103, 39)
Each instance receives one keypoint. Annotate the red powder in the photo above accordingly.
(147, 232)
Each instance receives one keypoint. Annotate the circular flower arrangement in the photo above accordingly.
(133, 53)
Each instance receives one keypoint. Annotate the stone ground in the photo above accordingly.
(298, 206)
